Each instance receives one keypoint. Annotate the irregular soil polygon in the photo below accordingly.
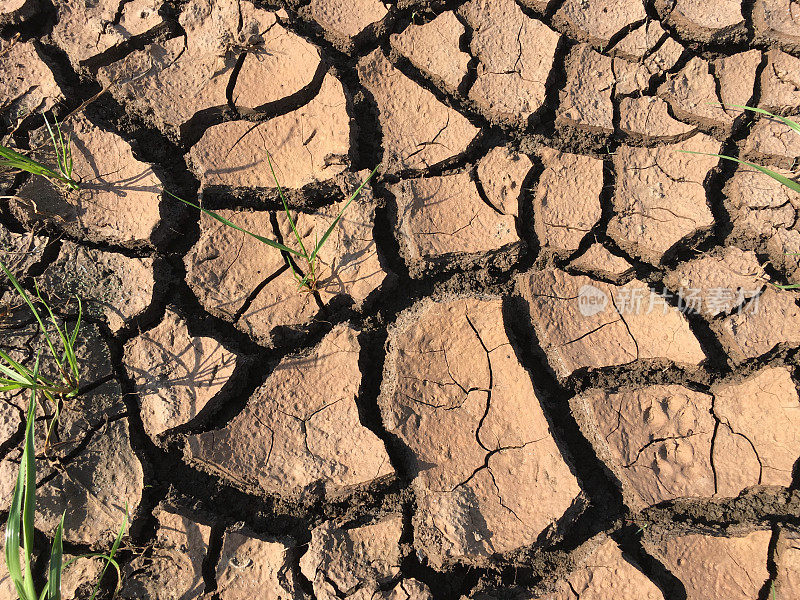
(696, 20)
(28, 85)
(502, 173)
(598, 259)
(346, 18)
(597, 21)
(776, 22)
(780, 83)
(647, 118)
(773, 141)
(586, 97)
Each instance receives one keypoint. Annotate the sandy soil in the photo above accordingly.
(544, 360)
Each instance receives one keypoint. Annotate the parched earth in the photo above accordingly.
(545, 359)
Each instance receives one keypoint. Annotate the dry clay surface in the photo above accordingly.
(544, 358)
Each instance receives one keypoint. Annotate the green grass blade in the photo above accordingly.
(792, 185)
(109, 558)
(222, 219)
(341, 212)
(29, 505)
(56, 564)
(286, 207)
(13, 535)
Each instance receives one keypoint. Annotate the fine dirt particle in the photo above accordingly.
(118, 202)
(561, 222)
(780, 83)
(175, 569)
(598, 259)
(438, 216)
(307, 145)
(717, 283)
(501, 173)
(597, 21)
(341, 562)
(418, 130)
(605, 573)
(764, 322)
(659, 198)
(84, 31)
(288, 444)
(515, 55)
(776, 22)
(656, 440)
(28, 85)
(734, 568)
(586, 97)
(697, 21)
(647, 118)
(110, 286)
(487, 480)
(346, 18)
(759, 434)
(249, 568)
(434, 49)
(583, 323)
(174, 373)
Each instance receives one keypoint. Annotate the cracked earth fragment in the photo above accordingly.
(776, 22)
(561, 222)
(418, 130)
(771, 140)
(247, 282)
(695, 20)
(487, 480)
(604, 573)
(647, 118)
(250, 567)
(788, 562)
(86, 30)
(174, 373)
(582, 323)
(758, 442)
(300, 431)
(118, 202)
(307, 145)
(438, 216)
(597, 21)
(345, 19)
(434, 48)
(586, 97)
(598, 259)
(175, 568)
(660, 198)
(28, 85)
(170, 82)
(708, 566)
(20, 251)
(111, 286)
(502, 173)
(656, 440)
(780, 83)
(515, 56)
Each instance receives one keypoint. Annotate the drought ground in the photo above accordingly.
(545, 360)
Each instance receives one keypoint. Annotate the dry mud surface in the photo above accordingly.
(544, 361)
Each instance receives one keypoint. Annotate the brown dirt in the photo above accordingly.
(543, 360)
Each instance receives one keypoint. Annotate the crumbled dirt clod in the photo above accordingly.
(583, 323)
(659, 198)
(757, 441)
(307, 145)
(766, 321)
(502, 173)
(717, 283)
(776, 22)
(28, 85)
(343, 562)
(346, 18)
(716, 567)
(780, 83)
(118, 202)
(698, 21)
(288, 444)
(597, 21)
(515, 55)
(561, 222)
(250, 567)
(434, 49)
(586, 97)
(647, 118)
(110, 286)
(487, 480)
(175, 569)
(598, 259)
(175, 374)
(79, 577)
(418, 130)
(440, 216)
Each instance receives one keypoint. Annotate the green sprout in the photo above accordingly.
(20, 528)
(62, 173)
(783, 180)
(15, 376)
(309, 260)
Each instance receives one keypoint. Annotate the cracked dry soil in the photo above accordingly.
(443, 418)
